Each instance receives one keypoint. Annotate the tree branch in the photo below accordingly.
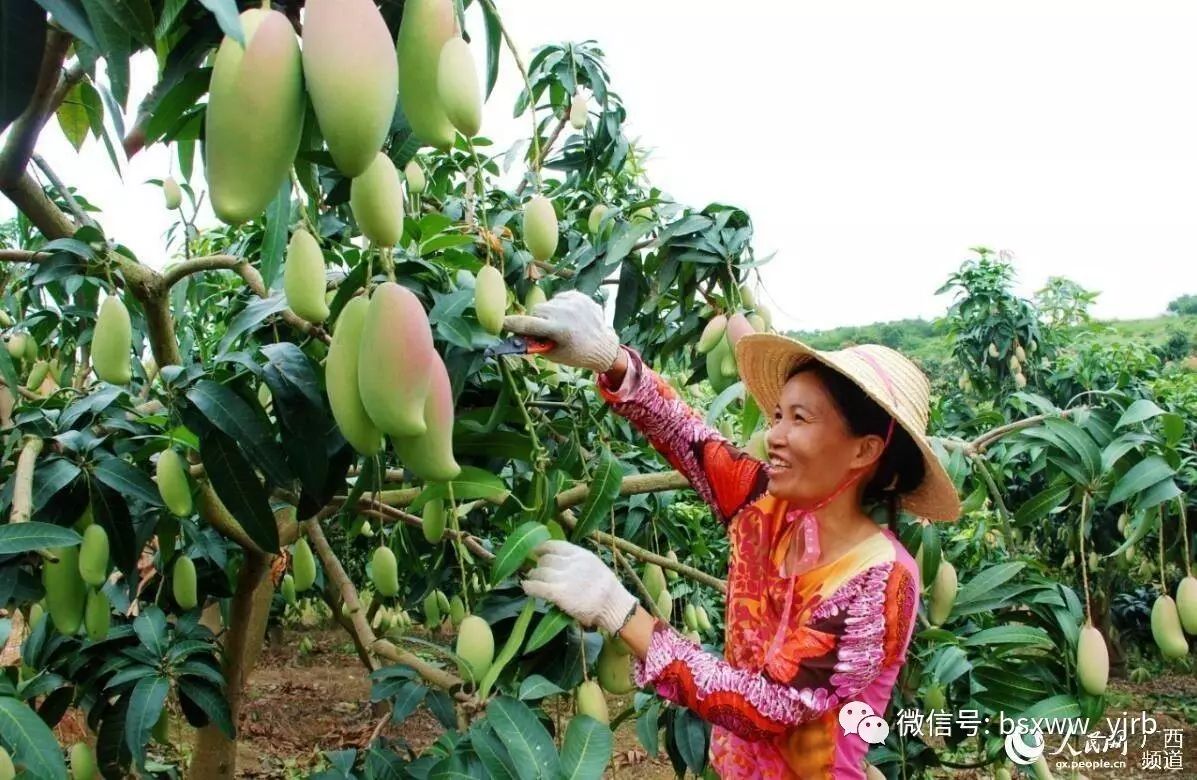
(27, 195)
(631, 485)
(22, 492)
(22, 135)
(23, 256)
(81, 217)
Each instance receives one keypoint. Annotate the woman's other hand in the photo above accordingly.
(576, 325)
(579, 584)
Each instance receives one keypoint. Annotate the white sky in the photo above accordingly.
(871, 147)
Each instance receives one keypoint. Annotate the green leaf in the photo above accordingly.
(135, 16)
(22, 42)
(72, 117)
(1115, 450)
(735, 392)
(987, 580)
(8, 371)
(235, 482)
(145, 705)
(1009, 635)
(510, 649)
(525, 738)
(150, 627)
(232, 416)
(29, 740)
(1143, 409)
(127, 480)
(604, 489)
(587, 749)
(1059, 707)
(69, 14)
(1139, 477)
(494, 46)
(537, 687)
(516, 549)
(112, 513)
(648, 727)
(1080, 442)
(470, 484)
(1041, 504)
(1162, 491)
(211, 701)
(227, 17)
(18, 538)
(274, 238)
(491, 752)
(1174, 428)
(254, 313)
(549, 626)
(690, 735)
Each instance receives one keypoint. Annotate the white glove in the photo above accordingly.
(576, 325)
(580, 584)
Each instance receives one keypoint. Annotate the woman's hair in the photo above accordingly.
(900, 468)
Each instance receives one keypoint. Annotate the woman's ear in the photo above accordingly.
(868, 451)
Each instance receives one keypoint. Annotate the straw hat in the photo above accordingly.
(766, 360)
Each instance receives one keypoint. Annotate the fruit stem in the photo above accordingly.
(538, 453)
(1084, 565)
(523, 69)
(1163, 578)
(387, 262)
(457, 544)
(1184, 533)
(303, 211)
(480, 193)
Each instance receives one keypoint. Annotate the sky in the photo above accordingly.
(872, 143)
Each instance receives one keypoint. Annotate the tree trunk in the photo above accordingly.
(216, 755)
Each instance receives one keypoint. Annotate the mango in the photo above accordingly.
(384, 571)
(935, 699)
(654, 580)
(1092, 661)
(1020, 380)
(704, 620)
(1002, 773)
(7, 770)
(540, 227)
(415, 177)
(993, 350)
(83, 762)
(763, 311)
(614, 669)
(182, 582)
(1020, 353)
(433, 523)
(589, 699)
(577, 111)
(534, 298)
(747, 297)
(594, 222)
(475, 646)
(171, 194)
(37, 375)
(423, 31)
(93, 555)
(1186, 604)
(943, 594)
(712, 334)
(756, 446)
(715, 365)
(432, 611)
(254, 117)
(664, 604)
(642, 214)
(352, 78)
(376, 200)
(97, 615)
(490, 299)
(457, 610)
(430, 455)
(341, 380)
(457, 86)
(395, 361)
(1040, 769)
(690, 617)
(172, 483)
(112, 342)
(442, 600)
(65, 590)
(303, 566)
(303, 278)
(757, 322)
(286, 589)
(15, 344)
(1166, 630)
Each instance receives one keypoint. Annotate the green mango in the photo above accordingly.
(303, 566)
(423, 31)
(434, 520)
(395, 361)
(112, 342)
(415, 178)
(255, 116)
(171, 194)
(303, 277)
(173, 484)
(93, 555)
(475, 646)
(540, 227)
(65, 590)
(97, 616)
(376, 200)
(183, 583)
(490, 299)
(341, 380)
(83, 762)
(384, 571)
(457, 86)
(352, 77)
(430, 455)
(589, 699)
(1092, 661)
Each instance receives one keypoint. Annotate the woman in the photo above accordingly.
(821, 601)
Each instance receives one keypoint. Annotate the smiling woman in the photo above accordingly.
(821, 601)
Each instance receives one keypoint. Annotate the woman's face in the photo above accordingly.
(811, 449)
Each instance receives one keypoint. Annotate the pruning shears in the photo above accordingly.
(520, 345)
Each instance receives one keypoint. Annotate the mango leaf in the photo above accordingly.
(126, 479)
(70, 14)
(232, 416)
(604, 489)
(112, 513)
(52, 475)
(1139, 477)
(1143, 409)
(987, 580)
(648, 727)
(587, 749)
(1008, 635)
(491, 752)
(8, 372)
(254, 313)
(690, 736)
(1058, 708)
(72, 117)
(537, 687)
(1080, 442)
(30, 740)
(516, 549)
(471, 483)
(494, 46)
(22, 41)
(274, 239)
(510, 649)
(211, 701)
(549, 626)
(525, 738)
(1157, 494)
(234, 480)
(1041, 504)
(18, 538)
(145, 705)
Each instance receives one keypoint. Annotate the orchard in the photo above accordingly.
(311, 414)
